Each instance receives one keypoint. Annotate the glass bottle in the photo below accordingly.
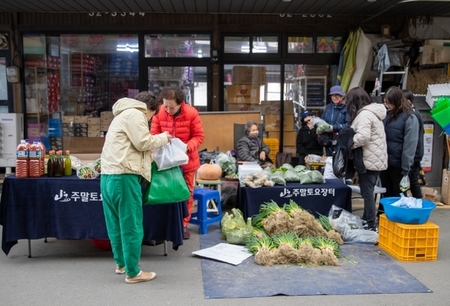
(67, 164)
(51, 164)
(59, 164)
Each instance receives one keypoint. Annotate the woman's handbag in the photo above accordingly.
(167, 187)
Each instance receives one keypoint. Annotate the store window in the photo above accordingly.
(255, 43)
(71, 79)
(300, 44)
(177, 45)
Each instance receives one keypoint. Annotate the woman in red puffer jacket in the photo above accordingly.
(181, 121)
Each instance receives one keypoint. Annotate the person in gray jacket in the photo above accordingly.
(402, 133)
(416, 168)
(251, 148)
(366, 121)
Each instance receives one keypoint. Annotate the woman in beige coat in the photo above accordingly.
(366, 119)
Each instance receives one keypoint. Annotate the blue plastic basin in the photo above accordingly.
(406, 214)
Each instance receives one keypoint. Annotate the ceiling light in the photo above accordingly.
(371, 0)
(287, 0)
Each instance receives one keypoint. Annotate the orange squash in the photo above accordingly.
(209, 172)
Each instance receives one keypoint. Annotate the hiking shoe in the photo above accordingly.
(364, 224)
(186, 234)
(373, 229)
(120, 270)
(141, 277)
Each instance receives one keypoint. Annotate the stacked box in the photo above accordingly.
(409, 242)
(247, 75)
(243, 94)
(56, 143)
(80, 129)
(105, 120)
(272, 123)
(94, 127)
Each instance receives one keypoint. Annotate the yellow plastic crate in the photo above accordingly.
(409, 242)
(274, 146)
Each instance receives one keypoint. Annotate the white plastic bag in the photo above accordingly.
(171, 155)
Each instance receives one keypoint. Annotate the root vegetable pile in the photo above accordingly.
(291, 235)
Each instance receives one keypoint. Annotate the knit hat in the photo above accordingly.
(336, 90)
(305, 114)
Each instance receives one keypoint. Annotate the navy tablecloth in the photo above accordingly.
(71, 208)
(316, 198)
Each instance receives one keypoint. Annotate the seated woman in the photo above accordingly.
(307, 138)
(251, 148)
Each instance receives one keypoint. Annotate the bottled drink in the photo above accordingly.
(51, 164)
(47, 157)
(67, 164)
(35, 159)
(22, 160)
(43, 152)
(59, 164)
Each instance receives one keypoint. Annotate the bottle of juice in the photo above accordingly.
(22, 160)
(43, 152)
(67, 164)
(35, 159)
(59, 164)
(51, 164)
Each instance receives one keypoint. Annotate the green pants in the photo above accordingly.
(122, 206)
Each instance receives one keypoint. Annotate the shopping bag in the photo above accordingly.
(167, 186)
(171, 155)
(339, 164)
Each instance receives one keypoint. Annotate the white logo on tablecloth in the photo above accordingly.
(77, 196)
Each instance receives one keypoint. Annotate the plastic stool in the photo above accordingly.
(209, 208)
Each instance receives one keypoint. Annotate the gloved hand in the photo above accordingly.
(329, 129)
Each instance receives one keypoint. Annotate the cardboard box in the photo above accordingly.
(104, 127)
(80, 119)
(429, 54)
(243, 94)
(93, 121)
(429, 193)
(68, 119)
(94, 131)
(243, 108)
(245, 75)
(106, 116)
(290, 139)
(272, 123)
(274, 107)
(443, 56)
(445, 188)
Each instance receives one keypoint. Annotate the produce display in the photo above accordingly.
(286, 173)
(86, 172)
(291, 235)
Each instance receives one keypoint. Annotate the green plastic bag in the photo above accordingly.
(167, 187)
(234, 228)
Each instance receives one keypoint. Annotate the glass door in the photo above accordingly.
(192, 80)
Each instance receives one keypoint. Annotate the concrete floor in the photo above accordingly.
(63, 272)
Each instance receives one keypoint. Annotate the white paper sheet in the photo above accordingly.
(229, 253)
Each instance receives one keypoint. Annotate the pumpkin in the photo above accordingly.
(209, 172)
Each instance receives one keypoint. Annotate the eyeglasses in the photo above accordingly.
(170, 107)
